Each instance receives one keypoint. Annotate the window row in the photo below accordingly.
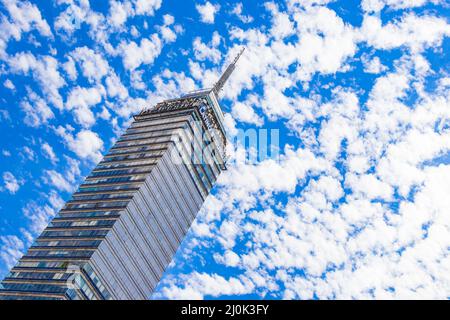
(118, 172)
(89, 223)
(152, 154)
(112, 188)
(60, 253)
(67, 243)
(116, 196)
(34, 287)
(143, 136)
(89, 214)
(95, 205)
(73, 233)
(158, 139)
(160, 117)
(153, 128)
(138, 149)
(114, 180)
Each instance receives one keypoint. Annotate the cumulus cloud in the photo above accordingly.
(169, 30)
(6, 153)
(147, 7)
(201, 284)
(373, 66)
(94, 67)
(244, 111)
(145, 52)
(86, 144)
(8, 84)
(134, 54)
(44, 70)
(207, 11)
(11, 249)
(10, 182)
(38, 216)
(23, 18)
(427, 30)
(378, 5)
(70, 68)
(57, 180)
(209, 51)
(28, 153)
(37, 112)
(357, 208)
(119, 12)
(49, 153)
(80, 100)
(238, 12)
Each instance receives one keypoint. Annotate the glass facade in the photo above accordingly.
(120, 230)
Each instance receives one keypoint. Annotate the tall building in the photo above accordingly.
(119, 232)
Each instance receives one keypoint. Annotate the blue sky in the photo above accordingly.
(356, 206)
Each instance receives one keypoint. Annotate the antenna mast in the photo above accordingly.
(228, 71)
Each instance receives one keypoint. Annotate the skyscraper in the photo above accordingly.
(119, 232)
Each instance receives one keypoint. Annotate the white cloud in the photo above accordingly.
(28, 153)
(38, 216)
(136, 80)
(93, 65)
(168, 30)
(427, 30)
(26, 16)
(80, 100)
(229, 259)
(23, 17)
(200, 284)
(11, 249)
(49, 153)
(74, 14)
(207, 77)
(207, 11)
(167, 34)
(371, 187)
(169, 84)
(134, 55)
(244, 111)
(209, 51)
(115, 88)
(168, 19)
(57, 180)
(147, 7)
(282, 25)
(85, 144)
(44, 70)
(6, 153)
(101, 26)
(70, 68)
(323, 45)
(10, 182)
(4, 115)
(373, 65)
(365, 214)
(37, 112)
(307, 3)
(378, 5)
(237, 11)
(8, 84)
(119, 12)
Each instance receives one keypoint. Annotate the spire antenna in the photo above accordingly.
(227, 73)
